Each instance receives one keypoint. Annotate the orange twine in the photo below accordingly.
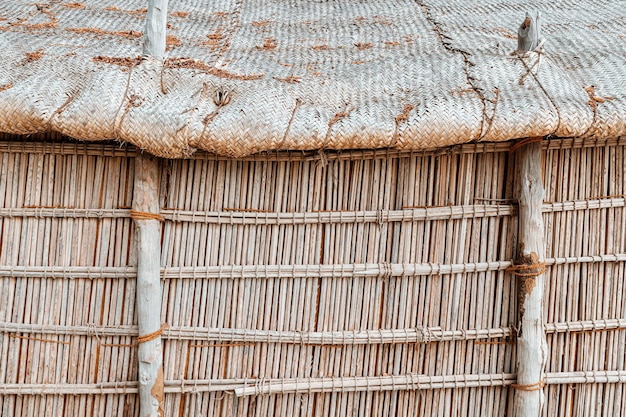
(151, 336)
(530, 387)
(142, 215)
(525, 141)
(523, 270)
(39, 339)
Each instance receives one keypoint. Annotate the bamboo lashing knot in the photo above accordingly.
(151, 336)
(530, 387)
(142, 215)
(379, 218)
(385, 270)
(321, 159)
(525, 141)
(424, 333)
(527, 270)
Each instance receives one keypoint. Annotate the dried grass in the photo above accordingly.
(361, 45)
(172, 41)
(189, 63)
(38, 26)
(337, 117)
(406, 112)
(180, 14)
(131, 34)
(593, 99)
(137, 12)
(268, 45)
(34, 56)
(121, 61)
(5, 87)
(290, 79)
(74, 5)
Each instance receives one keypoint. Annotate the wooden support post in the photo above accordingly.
(156, 26)
(148, 226)
(529, 268)
(147, 219)
(529, 33)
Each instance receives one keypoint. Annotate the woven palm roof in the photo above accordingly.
(247, 76)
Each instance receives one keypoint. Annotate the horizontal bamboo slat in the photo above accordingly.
(245, 387)
(383, 336)
(243, 217)
(290, 271)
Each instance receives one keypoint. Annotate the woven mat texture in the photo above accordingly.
(244, 76)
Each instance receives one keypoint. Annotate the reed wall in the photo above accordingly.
(365, 283)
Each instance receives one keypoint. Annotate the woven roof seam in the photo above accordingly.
(441, 34)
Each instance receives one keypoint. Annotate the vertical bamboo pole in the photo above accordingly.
(529, 268)
(147, 220)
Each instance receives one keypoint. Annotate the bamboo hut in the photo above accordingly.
(312, 208)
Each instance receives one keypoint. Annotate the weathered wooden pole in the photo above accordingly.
(529, 33)
(529, 269)
(147, 219)
(145, 213)
(156, 27)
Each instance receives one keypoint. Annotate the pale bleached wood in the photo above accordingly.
(529, 33)
(532, 349)
(150, 353)
(155, 32)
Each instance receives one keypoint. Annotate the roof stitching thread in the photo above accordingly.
(535, 77)
(118, 123)
(440, 32)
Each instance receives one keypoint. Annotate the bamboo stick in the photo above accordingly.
(150, 355)
(420, 382)
(531, 340)
(244, 217)
(382, 336)
(290, 271)
(246, 386)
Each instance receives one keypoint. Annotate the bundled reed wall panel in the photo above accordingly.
(81, 181)
(593, 291)
(372, 301)
(366, 225)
